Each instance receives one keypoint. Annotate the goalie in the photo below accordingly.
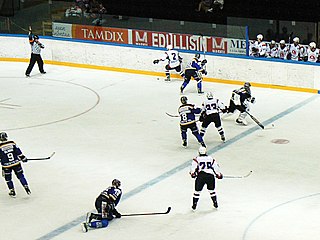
(240, 100)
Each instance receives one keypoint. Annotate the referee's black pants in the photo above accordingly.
(35, 58)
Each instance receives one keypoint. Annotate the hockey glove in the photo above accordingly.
(204, 61)
(116, 213)
(253, 100)
(203, 71)
(156, 61)
(23, 158)
(194, 175)
(224, 110)
(219, 176)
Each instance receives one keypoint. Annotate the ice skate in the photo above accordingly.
(27, 189)
(12, 193)
(84, 227)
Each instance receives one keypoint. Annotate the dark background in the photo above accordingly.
(300, 10)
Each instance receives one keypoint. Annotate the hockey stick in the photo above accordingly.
(146, 214)
(172, 115)
(244, 176)
(256, 120)
(46, 158)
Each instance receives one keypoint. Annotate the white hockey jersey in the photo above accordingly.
(212, 106)
(313, 56)
(272, 52)
(295, 52)
(205, 164)
(282, 53)
(173, 58)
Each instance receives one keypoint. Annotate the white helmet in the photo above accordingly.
(312, 45)
(169, 47)
(296, 40)
(202, 150)
(260, 36)
(282, 42)
(273, 42)
(209, 95)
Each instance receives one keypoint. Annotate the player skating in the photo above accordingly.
(174, 62)
(204, 169)
(187, 113)
(210, 114)
(11, 157)
(105, 204)
(194, 69)
(240, 100)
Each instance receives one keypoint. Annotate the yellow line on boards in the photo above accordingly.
(160, 74)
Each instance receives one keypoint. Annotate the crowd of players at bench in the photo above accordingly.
(288, 51)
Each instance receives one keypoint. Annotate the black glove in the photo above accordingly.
(116, 213)
(193, 175)
(23, 158)
(224, 110)
(219, 176)
(253, 100)
(156, 61)
(204, 61)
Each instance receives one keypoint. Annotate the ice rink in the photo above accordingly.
(104, 125)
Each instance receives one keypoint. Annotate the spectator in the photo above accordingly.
(204, 5)
(74, 11)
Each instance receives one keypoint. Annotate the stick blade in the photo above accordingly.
(168, 210)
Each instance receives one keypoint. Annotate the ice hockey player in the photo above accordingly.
(173, 62)
(313, 54)
(187, 113)
(194, 69)
(259, 47)
(282, 50)
(210, 113)
(240, 100)
(204, 169)
(294, 50)
(272, 50)
(105, 204)
(10, 157)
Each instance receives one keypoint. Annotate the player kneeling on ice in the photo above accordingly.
(204, 169)
(105, 204)
(187, 113)
(194, 69)
(174, 62)
(240, 100)
(210, 113)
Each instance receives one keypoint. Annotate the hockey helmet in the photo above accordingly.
(273, 42)
(282, 42)
(116, 183)
(209, 95)
(247, 85)
(184, 100)
(3, 136)
(312, 45)
(260, 36)
(296, 40)
(35, 37)
(202, 150)
(169, 47)
(197, 56)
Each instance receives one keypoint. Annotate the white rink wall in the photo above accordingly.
(234, 68)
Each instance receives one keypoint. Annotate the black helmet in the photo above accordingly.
(3, 136)
(35, 37)
(184, 100)
(197, 56)
(116, 183)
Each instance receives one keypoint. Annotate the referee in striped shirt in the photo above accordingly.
(35, 53)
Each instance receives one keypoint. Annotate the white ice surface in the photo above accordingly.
(104, 125)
